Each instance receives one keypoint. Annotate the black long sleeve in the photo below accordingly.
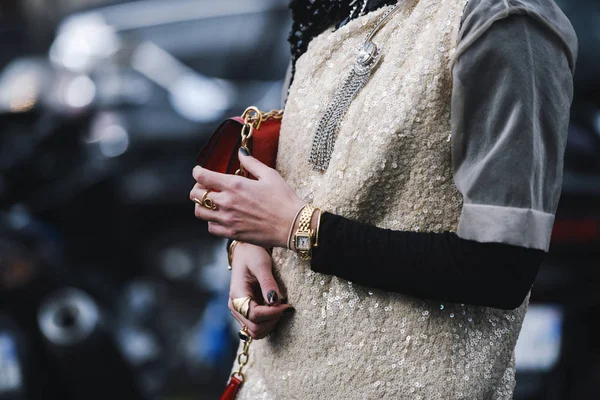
(436, 266)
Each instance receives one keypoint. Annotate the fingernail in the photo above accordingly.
(243, 336)
(244, 151)
(272, 297)
(289, 310)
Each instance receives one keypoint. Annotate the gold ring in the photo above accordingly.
(243, 334)
(242, 305)
(208, 203)
(195, 200)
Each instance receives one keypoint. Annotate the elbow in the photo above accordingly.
(503, 304)
(512, 303)
(520, 296)
(511, 287)
(511, 298)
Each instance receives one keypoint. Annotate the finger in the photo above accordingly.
(266, 329)
(252, 328)
(256, 331)
(251, 325)
(212, 216)
(252, 165)
(217, 229)
(243, 284)
(200, 211)
(211, 179)
(197, 191)
(258, 313)
(268, 285)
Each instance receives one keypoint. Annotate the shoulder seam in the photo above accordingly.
(508, 12)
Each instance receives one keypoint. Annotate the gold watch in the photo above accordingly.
(303, 239)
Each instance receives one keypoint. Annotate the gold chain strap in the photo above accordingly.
(243, 359)
(253, 118)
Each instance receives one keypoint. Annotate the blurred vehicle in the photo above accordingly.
(96, 150)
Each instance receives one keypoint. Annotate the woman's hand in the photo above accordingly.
(252, 211)
(252, 276)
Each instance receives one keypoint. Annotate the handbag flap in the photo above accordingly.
(220, 150)
(220, 153)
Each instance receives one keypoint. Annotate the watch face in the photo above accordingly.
(302, 243)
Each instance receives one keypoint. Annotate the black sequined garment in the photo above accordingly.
(312, 17)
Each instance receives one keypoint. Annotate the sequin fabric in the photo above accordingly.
(391, 167)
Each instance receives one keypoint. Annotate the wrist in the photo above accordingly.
(291, 225)
(314, 222)
(243, 247)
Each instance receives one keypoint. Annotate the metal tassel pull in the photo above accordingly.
(329, 125)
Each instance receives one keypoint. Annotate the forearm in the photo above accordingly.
(436, 266)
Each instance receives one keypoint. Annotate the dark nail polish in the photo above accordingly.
(243, 336)
(244, 151)
(289, 310)
(272, 297)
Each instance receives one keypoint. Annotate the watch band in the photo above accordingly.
(303, 239)
(306, 217)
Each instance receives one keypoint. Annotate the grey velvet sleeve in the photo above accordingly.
(512, 91)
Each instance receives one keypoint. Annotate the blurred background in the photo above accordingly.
(109, 287)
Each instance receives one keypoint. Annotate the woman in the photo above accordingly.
(438, 196)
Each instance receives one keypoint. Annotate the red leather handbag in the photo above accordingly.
(255, 130)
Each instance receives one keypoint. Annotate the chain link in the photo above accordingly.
(243, 359)
(253, 118)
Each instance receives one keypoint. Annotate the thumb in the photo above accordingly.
(252, 165)
(268, 286)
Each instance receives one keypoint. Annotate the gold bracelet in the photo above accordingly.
(318, 227)
(292, 227)
(230, 253)
(303, 239)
